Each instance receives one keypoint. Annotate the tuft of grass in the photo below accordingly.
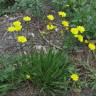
(50, 71)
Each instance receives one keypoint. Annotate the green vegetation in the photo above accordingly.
(50, 71)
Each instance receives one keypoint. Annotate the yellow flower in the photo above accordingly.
(16, 23)
(91, 46)
(27, 18)
(74, 77)
(11, 29)
(18, 28)
(74, 31)
(28, 77)
(62, 14)
(81, 29)
(80, 38)
(65, 23)
(51, 27)
(21, 39)
(50, 17)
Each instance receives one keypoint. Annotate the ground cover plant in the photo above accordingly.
(49, 49)
(48, 71)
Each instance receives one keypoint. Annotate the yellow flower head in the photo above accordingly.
(74, 31)
(21, 39)
(11, 29)
(50, 17)
(74, 77)
(27, 18)
(18, 28)
(51, 27)
(16, 23)
(65, 23)
(81, 29)
(28, 77)
(91, 46)
(62, 14)
(80, 38)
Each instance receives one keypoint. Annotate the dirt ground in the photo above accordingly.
(8, 41)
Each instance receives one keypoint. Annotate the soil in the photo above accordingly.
(8, 41)
(9, 44)
(25, 90)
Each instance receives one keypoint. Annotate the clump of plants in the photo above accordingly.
(77, 14)
(51, 72)
(64, 27)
